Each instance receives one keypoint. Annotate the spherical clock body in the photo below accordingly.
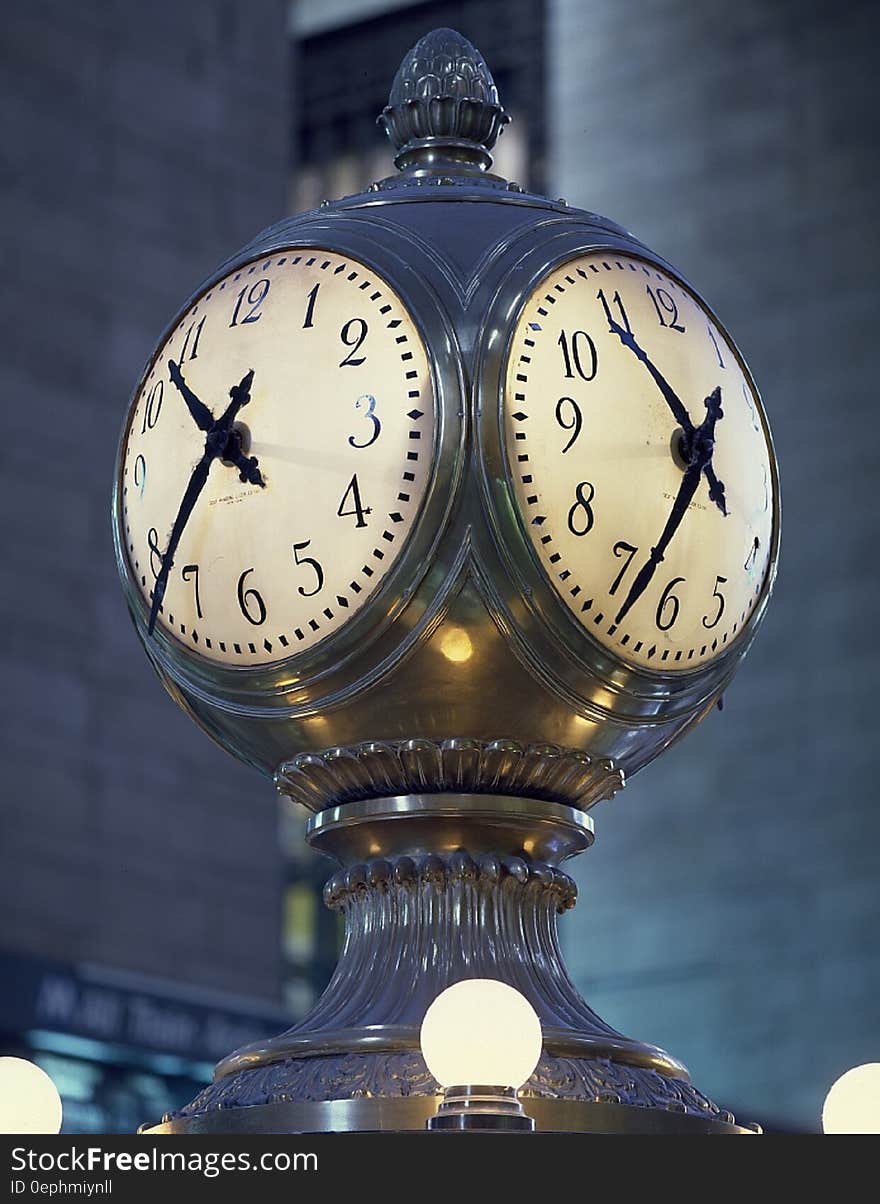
(451, 464)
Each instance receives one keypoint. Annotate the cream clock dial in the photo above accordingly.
(276, 456)
(640, 461)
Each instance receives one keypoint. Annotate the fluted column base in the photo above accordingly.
(436, 888)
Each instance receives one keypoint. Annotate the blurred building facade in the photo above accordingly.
(727, 909)
(139, 867)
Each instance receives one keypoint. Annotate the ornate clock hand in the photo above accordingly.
(701, 445)
(200, 412)
(219, 437)
(241, 395)
(190, 497)
(716, 489)
(683, 499)
(672, 400)
(248, 466)
(700, 448)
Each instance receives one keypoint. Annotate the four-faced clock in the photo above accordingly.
(276, 456)
(640, 461)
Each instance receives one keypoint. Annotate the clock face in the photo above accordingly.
(640, 461)
(276, 456)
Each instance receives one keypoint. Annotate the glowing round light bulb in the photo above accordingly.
(29, 1100)
(853, 1103)
(480, 1031)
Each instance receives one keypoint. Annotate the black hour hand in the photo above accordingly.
(248, 466)
(671, 398)
(202, 416)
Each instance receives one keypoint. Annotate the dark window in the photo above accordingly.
(343, 77)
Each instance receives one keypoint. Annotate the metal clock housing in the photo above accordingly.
(467, 613)
(301, 682)
(547, 627)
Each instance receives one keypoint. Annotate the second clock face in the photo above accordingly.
(640, 461)
(309, 371)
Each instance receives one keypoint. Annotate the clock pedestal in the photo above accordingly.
(496, 589)
(435, 888)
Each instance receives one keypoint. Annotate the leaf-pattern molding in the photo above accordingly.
(382, 769)
(485, 869)
(364, 1075)
(444, 93)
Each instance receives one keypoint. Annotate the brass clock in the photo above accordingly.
(448, 506)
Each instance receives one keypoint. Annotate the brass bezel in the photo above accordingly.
(535, 607)
(315, 670)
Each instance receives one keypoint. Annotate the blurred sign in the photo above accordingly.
(122, 1008)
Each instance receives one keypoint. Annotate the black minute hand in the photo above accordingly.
(190, 497)
(220, 441)
(675, 404)
(701, 447)
(200, 412)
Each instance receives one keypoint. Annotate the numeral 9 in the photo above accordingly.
(576, 419)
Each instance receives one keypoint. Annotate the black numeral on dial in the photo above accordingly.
(190, 348)
(353, 334)
(156, 554)
(258, 293)
(666, 308)
(140, 473)
(316, 568)
(715, 345)
(716, 593)
(358, 510)
(580, 516)
(622, 548)
(369, 402)
(615, 300)
(669, 606)
(153, 406)
(580, 354)
(567, 408)
(192, 570)
(310, 308)
(252, 605)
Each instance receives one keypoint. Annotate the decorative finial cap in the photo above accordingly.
(443, 105)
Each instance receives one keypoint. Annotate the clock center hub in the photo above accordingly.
(678, 447)
(238, 443)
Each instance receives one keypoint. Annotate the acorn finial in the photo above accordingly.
(443, 106)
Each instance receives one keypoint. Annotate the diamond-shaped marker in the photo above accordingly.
(520, 416)
(539, 520)
(414, 414)
(396, 517)
(342, 601)
(652, 650)
(534, 325)
(587, 604)
(267, 645)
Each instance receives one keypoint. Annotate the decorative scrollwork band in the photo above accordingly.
(382, 769)
(391, 873)
(354, 1076)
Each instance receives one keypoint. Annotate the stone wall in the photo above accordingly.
(143, 143)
